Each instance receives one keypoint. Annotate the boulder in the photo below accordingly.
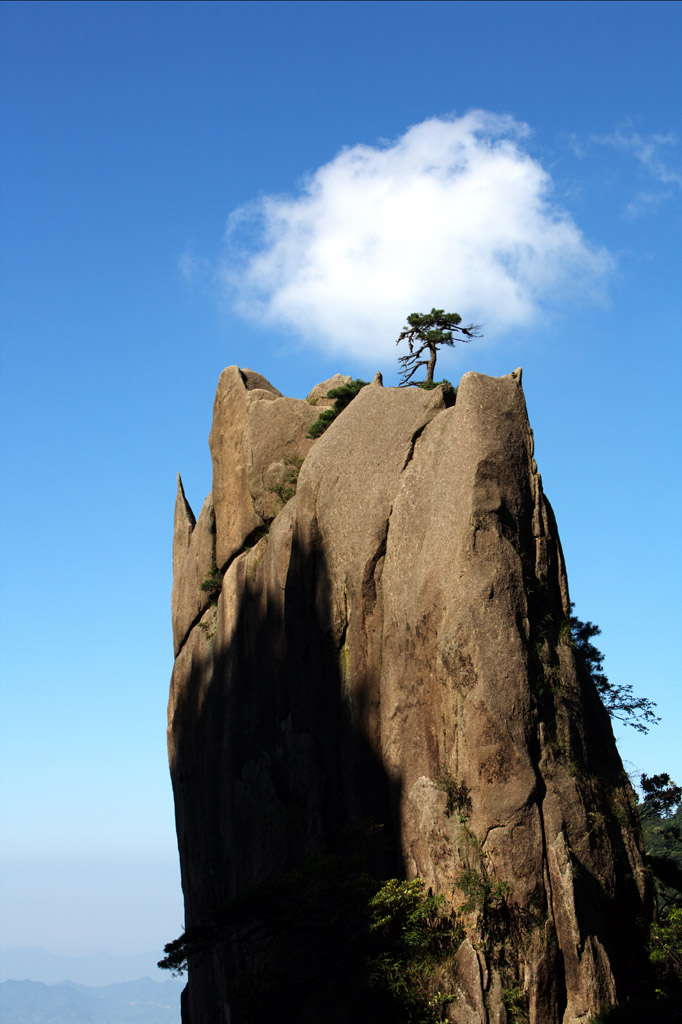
(318, 396)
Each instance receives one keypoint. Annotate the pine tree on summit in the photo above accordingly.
(428, 331)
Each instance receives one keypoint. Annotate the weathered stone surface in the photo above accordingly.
(318, 396)
(395, 649)
(346, 489)
(255, 431)
(193, 558)
(461, 612)
(254, 381)
(469, 1007)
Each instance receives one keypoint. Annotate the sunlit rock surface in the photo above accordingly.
(390, 645)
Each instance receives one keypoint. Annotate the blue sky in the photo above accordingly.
(191, 185)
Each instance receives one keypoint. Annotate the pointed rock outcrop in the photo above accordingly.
(193, 564)
(257, 438)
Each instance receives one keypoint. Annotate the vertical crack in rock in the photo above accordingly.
(371, 576)
(413, 440)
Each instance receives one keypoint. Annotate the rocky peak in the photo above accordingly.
(387, 641)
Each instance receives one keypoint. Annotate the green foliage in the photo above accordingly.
(324, 420)
(330, 935)
(342, 396)
(498, 919)
(618, 699)
(426, 333)
(287, 488)
(208, 629)
(429, 385)
(661, 817)
(323, 902)
(661, 797)
(666, 947)
(179, 951)
(213, 583)
(661, 824)
(412, 940)
(532, 586)
(480, 894)
(552, 679)
(456, 792)
(663, 843)
(405, 914)
(516, 1004)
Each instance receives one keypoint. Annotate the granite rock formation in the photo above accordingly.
(390, 645)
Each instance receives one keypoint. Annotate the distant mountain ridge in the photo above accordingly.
(134, 1002)
(32, 963)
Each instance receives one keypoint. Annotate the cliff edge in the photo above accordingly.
(371, 631)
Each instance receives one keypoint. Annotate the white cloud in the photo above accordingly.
(648, 150)
(643, 203)
(453, 214)
(195, 269)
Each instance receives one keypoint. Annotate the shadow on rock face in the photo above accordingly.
(283, 807)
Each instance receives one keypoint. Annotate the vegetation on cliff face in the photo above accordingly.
(617, 698)
(286, 489)
(342, 396)
(660, 995)
(412, 943)
(429, 385)
(660, 815)
(329, 934)
(213, 583)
